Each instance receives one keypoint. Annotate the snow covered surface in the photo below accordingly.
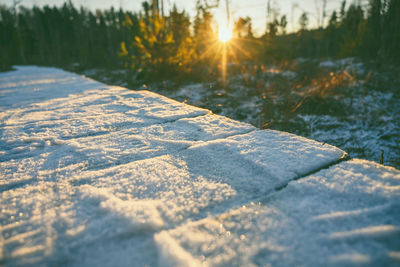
(360, 116)
(96, 175)
(348, 214)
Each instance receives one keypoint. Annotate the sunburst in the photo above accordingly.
(224, 32)
(223, 48)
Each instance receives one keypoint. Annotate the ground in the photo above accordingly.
(94, 175)
(349, 103)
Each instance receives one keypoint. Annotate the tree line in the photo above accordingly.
(371, 33)
(61, 35)
(154, 45)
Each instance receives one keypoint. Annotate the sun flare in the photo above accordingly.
(224, 33)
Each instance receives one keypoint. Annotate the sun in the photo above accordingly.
(224, 33)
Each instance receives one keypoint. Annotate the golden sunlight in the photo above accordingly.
(224, 33)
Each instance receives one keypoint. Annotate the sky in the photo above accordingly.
(256, 9)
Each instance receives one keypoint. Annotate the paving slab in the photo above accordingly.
(93, 175)
(347, 215)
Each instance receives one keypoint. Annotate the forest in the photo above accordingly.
(336, 83)
(159, 45)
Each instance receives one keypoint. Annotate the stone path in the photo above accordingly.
(97, 175)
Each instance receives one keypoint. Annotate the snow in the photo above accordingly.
(348, 64)
(362, 116)
(97, 175)
(274, 71)
(348, 214)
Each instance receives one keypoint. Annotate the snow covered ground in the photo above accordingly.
(97, 175)
(358, 109)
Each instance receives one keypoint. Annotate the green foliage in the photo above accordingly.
(162, 46)
(204, 35)
(152, 46)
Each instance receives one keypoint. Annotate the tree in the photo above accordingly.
(391, 31)
(303, 21)
(283, 23)
(204, 35)
(179, 24)
(373, 32)
(243, 27)
(351, 26)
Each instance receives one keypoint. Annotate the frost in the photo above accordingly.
(316, 221)
(97, 175)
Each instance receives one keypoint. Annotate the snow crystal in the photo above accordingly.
(347, 214)
(94, 175)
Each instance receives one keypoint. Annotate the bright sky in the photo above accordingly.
(256, 9)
